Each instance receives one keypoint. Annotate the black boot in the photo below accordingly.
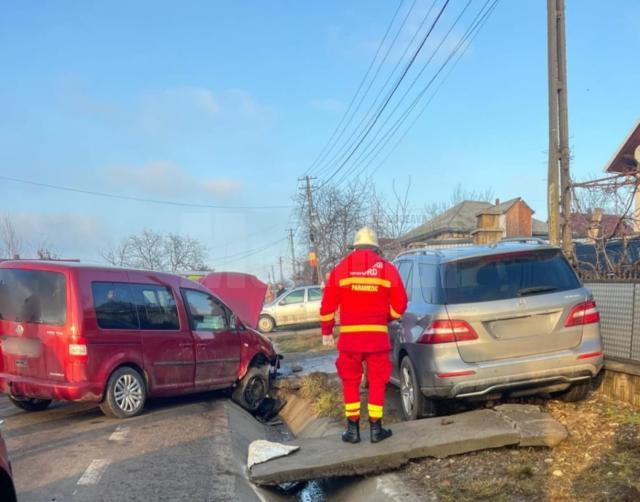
(352, 432)
(378, 433)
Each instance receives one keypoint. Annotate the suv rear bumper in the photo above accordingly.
(46, 389)
(515, 385)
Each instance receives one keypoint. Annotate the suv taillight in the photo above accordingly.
(583, 313)
(444, 331)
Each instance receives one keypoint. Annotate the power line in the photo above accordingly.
(132, 198)
(324, 152)
(364, 154)
(342, 151)
(248, 253)
(470, 33)
(433, 95)
(389, 96)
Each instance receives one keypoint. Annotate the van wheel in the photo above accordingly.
(414, 404)
(30, 403)
(125, 395)
(266, 324)
(253, 388)
(577, 392)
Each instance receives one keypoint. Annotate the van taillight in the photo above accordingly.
(445, 331)
(583, 313)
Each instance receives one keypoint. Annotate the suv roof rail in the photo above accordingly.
(522, 240)
(423, 251)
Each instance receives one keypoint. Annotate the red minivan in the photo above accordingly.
(69, 331)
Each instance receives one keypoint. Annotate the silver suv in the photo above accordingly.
(484, 322)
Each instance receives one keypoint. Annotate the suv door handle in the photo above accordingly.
(185, 345)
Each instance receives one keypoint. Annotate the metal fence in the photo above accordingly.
(619, 306)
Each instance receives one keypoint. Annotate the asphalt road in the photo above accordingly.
(179, 449)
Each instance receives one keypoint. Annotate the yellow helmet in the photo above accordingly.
(366, 237)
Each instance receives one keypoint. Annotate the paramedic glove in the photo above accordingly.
(327, 340)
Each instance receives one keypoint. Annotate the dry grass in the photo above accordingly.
(599, 461)
(325, 394)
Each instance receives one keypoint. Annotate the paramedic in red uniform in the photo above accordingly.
(368, 292)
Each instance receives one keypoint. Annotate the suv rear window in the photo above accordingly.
(34, 296)
(498, 277)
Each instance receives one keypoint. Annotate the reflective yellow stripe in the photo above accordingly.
(394, 314)
(352, 406)
(352, 413)
(365, 280)
(378, 328)
(327, 317)
(375, 411)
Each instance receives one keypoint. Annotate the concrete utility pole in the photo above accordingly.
(281, 272)
(293, 254)
(313, 252)
(559, 179)
(565, 172)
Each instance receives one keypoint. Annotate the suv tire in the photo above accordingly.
(266, 324)
(413, 402)
(126, 394)
(253, 388)
(577, 392)
(30, 403)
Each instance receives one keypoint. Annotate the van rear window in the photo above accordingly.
(33, 296)
(512, 275)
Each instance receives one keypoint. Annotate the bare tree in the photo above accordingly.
(605, 207)
(184, 253)
(154, 251)
(9, 239)
(117, 255)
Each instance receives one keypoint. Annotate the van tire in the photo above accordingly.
(253, 388)
(577, 392)
(266, 324)
(30, 403)
(130, 382)
(414, 404)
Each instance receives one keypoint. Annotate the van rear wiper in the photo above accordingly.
(535, 289)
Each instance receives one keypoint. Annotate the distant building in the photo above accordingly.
(478, 222)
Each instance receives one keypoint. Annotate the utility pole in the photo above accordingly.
(553, 194)
(565, 173)
(559, 178)
(281, 273)
(293, 254)
(314, 260)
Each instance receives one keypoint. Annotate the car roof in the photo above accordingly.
(77, 266)
(446, 255)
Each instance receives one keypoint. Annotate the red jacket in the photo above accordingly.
(369, 293)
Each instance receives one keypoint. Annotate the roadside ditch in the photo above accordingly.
(303, 416)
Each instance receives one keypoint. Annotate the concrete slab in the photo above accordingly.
(329, 457)
(535, 427)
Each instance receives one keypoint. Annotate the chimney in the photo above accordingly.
(497, 202)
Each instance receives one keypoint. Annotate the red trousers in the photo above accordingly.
(350, 369)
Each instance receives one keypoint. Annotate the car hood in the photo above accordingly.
(243, 293)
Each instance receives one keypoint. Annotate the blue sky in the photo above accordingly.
(228, 103)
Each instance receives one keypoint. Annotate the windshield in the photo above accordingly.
(33, 296)
(499, 277)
